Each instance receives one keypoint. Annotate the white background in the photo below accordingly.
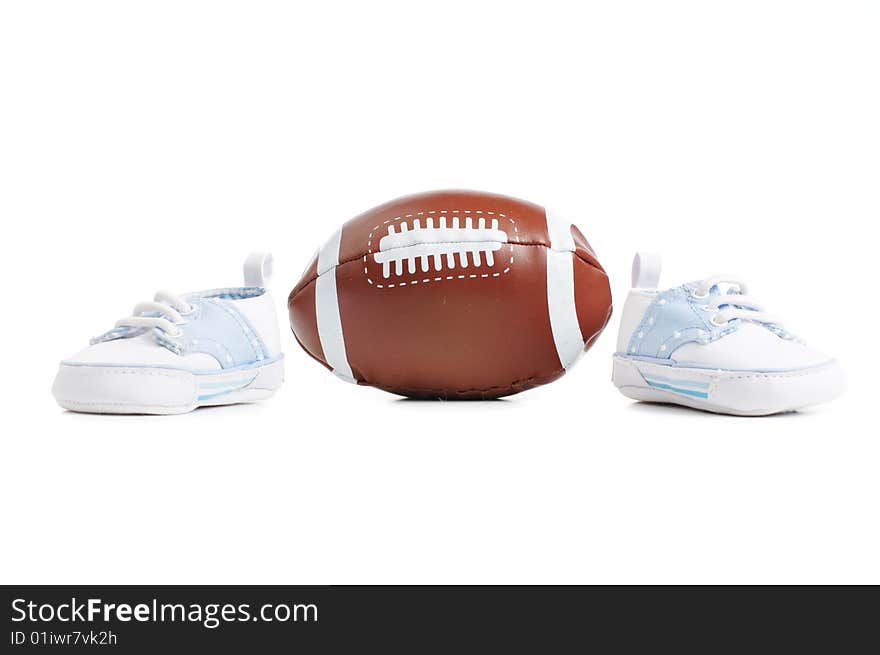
(153, 145)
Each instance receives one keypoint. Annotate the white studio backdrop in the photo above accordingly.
(148, 146)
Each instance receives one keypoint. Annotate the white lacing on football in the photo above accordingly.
(170, 308)
(733, 304)
(440, 244)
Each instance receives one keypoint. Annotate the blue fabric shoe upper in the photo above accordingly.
(677, 316)
(215, 327)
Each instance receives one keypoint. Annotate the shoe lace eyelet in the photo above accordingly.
(714, 322)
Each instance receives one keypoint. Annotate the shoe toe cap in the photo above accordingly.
(124, 389)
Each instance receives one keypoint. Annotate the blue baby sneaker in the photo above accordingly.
(710, 346)
(177, 353)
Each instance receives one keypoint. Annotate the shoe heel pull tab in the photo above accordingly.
(258, 269)
(646, 270)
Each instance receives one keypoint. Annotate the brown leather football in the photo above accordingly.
(451, 294)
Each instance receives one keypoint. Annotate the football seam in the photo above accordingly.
(309, 352)
(441, 390)
(592, 337)
(299, 289)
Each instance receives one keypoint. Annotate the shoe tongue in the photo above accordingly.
(721, 289)
(714, 290)
(725, 289)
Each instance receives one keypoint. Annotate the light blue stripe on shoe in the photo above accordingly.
(687, 392)
(224, 388)
(681, 383)
(222, 385)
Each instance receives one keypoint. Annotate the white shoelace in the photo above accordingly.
(171, 309)
(736, 303)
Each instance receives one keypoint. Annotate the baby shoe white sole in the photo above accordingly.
(152, 390)
(743, 393)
